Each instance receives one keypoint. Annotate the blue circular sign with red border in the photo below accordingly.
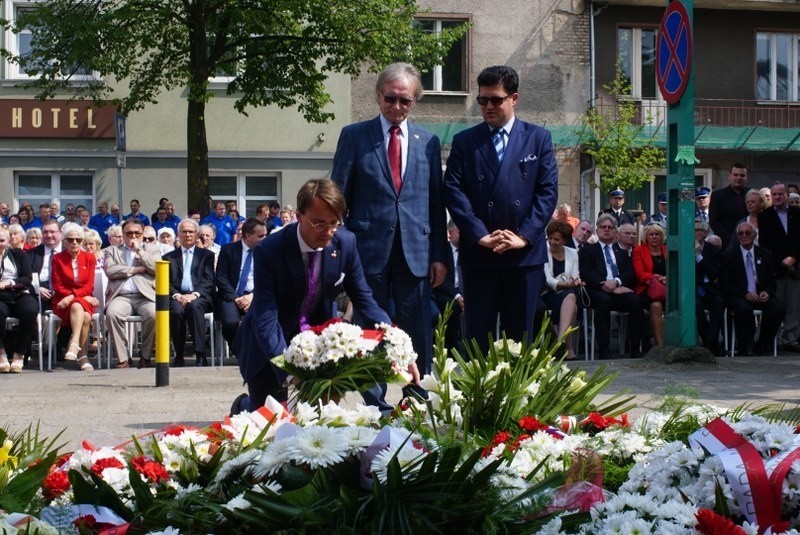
(674, 52)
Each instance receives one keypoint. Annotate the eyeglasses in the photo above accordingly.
(322, 227)
(148, 239)
(75, 240)
(392, 100)
(745, 233)
(133, 234)
(607, 227)
(496, 101)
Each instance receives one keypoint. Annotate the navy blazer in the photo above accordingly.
(733, 279)
(202, 272)
(781, 243)
(519, 194)
(376, 210)
(592, 264)
(279, 279)
(229, 267)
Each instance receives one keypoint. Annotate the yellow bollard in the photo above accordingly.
(162, 323)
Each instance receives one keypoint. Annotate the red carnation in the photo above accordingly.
(175, 430)
(501, 438)
(152, 470)
(108, 462)
(529, 423)
(710, 523)
(54, 485)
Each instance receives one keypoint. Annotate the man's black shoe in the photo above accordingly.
(201, 361)
(637, 355)
(239, 404)
(178, 362)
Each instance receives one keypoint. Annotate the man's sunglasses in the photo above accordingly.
(392, 100)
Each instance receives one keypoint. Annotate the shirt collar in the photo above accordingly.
(506, 127)
(190, 249)
(304, 247)
(385, 125)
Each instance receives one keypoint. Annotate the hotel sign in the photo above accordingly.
(73, 119)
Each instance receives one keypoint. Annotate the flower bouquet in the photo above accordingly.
(338, 357)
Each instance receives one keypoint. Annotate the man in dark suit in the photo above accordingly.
(390, 172)
(285, 264)
(707, 293)
(616, 198)
(40, 258)
(501, 187)
(235, 278)
(610, 279)
(728, 204)
(779, 232)
(748, 284)
(450, 292)
(190, 292)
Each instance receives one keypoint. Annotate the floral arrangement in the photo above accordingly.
(330, 360)
(542, 458)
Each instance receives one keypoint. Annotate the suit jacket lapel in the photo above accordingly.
(487, 150)
(376, 137)
(518, 137)
(294, 264)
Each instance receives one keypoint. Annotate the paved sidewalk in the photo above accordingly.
(106, 407)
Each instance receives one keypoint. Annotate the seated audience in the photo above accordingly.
(708, 296)
(33, 237)
(16, 236)
(131, 269)
(564, 213)
(166, 240)
(562, 281)
(748, 283)
(73, 292)
(650, 267)
(93, 244)
(626, 238)
(581, 235)
(234, 275)
(206, 237)
(114, 235)
(755, 202)
(18, 300)
(610, 279)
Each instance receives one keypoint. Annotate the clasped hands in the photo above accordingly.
(64, 303)
(501, 241)
(754, 297)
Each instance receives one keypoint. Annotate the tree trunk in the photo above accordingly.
(197, 158)
(196, 140)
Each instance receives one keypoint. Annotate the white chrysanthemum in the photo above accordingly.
(117, 478)
(173, 461)
(272, 459)
(359, 438)
(167, 531)
(399, 349)
(305, 414)
(191, 488)
(303, 351)
(407, 456)
(318, 446)
(237, 502)
(340, 341)
(236, 465)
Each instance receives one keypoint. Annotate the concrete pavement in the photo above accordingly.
(108, 406)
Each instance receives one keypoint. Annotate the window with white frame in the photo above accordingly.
(636, 54)
(56, 187)
(451, 74)
(20, 44)
(777, 62)
(247, 190)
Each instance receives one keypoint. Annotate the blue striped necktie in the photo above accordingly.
(499, 142)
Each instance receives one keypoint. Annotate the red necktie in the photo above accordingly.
(394, 156)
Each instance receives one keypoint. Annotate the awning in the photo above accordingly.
(740, 138)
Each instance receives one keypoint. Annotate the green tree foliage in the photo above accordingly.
(622, 147)
(277, 52)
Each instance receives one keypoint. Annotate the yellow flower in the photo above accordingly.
(5, 455)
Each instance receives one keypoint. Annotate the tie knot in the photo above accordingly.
(498, 132)
(394, 130)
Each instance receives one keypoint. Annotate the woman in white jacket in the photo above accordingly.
(562, 280)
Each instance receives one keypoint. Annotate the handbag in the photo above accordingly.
(586, 301)
(656, 290)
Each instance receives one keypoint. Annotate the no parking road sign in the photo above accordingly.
(674, 52)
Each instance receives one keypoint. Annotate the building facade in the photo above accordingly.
(64, 151)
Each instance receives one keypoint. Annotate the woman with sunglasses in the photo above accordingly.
(72, 279)
(149, 235)
(16, 300)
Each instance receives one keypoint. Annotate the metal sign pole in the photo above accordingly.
(676, 80)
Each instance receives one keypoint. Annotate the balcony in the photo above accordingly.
(726, 124)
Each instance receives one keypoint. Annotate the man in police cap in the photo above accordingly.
(660, 216)
(702, 199)
(617, 200)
